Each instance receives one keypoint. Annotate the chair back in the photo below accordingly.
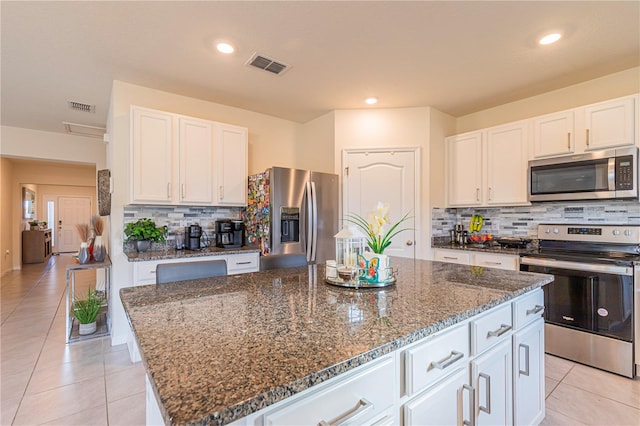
(170, 272)
(274, 261)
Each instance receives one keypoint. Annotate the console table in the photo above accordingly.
(103, 326)
(36, 246)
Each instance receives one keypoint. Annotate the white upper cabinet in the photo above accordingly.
(179, 160)
(195, 147)
(151, 156)
(610, 124)
(488, 167)
(464, 169)
(231, 166)
(554, 134)
(604, 125)
(507, 155)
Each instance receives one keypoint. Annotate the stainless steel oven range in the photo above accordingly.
(589, 307)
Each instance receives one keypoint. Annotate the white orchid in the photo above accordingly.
(378, 238)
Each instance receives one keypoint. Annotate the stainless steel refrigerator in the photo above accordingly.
(292, 211)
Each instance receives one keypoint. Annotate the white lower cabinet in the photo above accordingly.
(363, 397)
(492, 381)
(486, 260)
(528, 374)
(452, 256)
(450, 402)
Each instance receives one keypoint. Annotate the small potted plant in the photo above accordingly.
(86, 312)
(143, 232)
(33, 225)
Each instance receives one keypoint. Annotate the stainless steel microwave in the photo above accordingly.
(597, 175)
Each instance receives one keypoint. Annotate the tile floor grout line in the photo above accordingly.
(603, 397)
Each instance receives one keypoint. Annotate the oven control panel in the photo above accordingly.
(622, 234)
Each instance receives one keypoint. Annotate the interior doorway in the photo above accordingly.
(71, 211)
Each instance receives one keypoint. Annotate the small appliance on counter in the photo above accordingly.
(229, 233)
(192, 235)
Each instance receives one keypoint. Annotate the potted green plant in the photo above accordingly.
(86, 312)
(143, 232)
(33, 224)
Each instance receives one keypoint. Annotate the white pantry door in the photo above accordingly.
(388, 176)
(71, 211)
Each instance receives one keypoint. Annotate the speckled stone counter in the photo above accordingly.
(484, 248)
(134, 256)
(219, 349)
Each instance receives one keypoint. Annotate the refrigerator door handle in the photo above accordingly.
(309, 221)
(314, 223)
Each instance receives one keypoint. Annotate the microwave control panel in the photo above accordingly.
(624, 172)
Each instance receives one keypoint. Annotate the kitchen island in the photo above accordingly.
(218, 350)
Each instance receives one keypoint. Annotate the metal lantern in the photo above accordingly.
(350, 243)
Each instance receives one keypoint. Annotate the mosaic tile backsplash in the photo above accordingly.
(177, 217)
(523, 221)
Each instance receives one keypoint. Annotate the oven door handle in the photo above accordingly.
(577, 266)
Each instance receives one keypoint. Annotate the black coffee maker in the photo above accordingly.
(229, 233)
(192, 235)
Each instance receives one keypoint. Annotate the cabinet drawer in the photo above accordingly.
(145, 272)
(528, 308)
(436, 358)
(240, 263)
(490, 329)
(358, 399)
(498, 261)
(451, 256)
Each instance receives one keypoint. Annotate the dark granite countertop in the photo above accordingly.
(134, 256)
(484, 248)
(219, 349)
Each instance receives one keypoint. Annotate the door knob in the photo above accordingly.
(409, 242)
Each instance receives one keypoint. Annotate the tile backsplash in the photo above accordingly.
(523, 221)
(177, 217)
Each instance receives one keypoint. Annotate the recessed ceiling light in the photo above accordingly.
(225, 48)
(371, 101)
(550, 38)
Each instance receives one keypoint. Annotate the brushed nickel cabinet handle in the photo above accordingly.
(526, 359)
(535, 310)
(487, 378)
(499, 332)
(446, 362)
(569, 140)
(168, 190)
(472, 411)
(361, 407)
(587, 137)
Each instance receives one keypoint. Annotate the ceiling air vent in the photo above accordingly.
(79, 106)
(84, 130)
(267, 64)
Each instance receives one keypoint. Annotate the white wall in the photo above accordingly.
(600, 89)
(397, 128)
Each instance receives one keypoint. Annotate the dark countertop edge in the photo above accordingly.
(186, 254)
(483, 249)
(284, 391)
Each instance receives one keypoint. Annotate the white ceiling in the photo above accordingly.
(459, 57)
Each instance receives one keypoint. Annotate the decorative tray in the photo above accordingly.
(358, 283)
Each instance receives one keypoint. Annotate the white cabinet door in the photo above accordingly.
(195, 148)
(151, 156)
(554, 134)
(231, 165)
(507, 155)
(464, 169)
(492, 378)
(528, 374)
(610, 124)
(448, 403)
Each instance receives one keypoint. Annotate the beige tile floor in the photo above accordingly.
(45, 381)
